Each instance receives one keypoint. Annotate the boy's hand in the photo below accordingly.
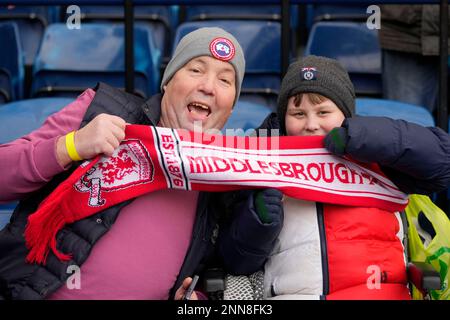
(268, 205)
(336, 141)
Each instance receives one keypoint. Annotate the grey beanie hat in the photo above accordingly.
(314, 74)
(213, 42)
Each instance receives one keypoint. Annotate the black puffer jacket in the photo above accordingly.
(19, 280)
(415, 158)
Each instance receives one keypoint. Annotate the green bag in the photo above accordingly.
(437, 251)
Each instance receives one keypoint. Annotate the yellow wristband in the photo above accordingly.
(70, 146)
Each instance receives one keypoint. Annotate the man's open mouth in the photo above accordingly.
(199, 110)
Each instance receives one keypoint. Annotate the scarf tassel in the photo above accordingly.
(43, 226)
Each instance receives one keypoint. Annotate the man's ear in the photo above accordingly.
(164, 87)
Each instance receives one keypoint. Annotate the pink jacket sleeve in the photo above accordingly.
(28, 163)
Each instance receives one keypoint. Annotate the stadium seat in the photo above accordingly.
(241, 12)
(223, 12)
(260, 41)
(11, 63)
(6, 210)
(394, 110)
(22, 117)
(162, 20)
(260, 12)
(31, 22)
(325, 12)
(356, 47)
(69, 61)
(246, 115)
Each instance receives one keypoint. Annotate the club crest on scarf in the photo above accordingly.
(129, 165)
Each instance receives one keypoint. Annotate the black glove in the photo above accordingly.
(268, 205)
(336, 140)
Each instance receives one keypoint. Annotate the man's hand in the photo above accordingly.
(183, 288)
(100, 136)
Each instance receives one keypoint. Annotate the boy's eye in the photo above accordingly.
(323, 112)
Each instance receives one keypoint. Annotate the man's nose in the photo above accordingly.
(207, 85)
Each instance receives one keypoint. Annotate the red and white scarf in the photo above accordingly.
(154, 158)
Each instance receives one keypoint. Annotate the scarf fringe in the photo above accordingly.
(51, 216)
(43, 226)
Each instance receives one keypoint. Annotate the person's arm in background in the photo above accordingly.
(28, 163)
(415, 158)
(255, 221)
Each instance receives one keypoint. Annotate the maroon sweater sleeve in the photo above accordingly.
(28, 163)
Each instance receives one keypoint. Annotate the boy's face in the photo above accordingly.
(308, 119)
(202, 90)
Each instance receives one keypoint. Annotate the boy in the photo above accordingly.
(325, 251)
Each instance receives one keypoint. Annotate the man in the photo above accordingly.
(138, 249)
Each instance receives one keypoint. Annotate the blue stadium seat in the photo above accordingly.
(223, 12)
(162, 20)
(326, 12)
(6, 210)
(241, 12)
(260, 41)
(69, 61)
(18, 119)
(356, 47)
(11, 63)
(22, 117)
(394, 110)
(245, 12)
(31, 21)
(246, 115)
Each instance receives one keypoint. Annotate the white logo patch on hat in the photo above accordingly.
(222, 49)
(309, 73)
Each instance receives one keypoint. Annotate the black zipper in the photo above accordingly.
(323, 248)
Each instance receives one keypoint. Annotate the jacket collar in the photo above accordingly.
(152, 108)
